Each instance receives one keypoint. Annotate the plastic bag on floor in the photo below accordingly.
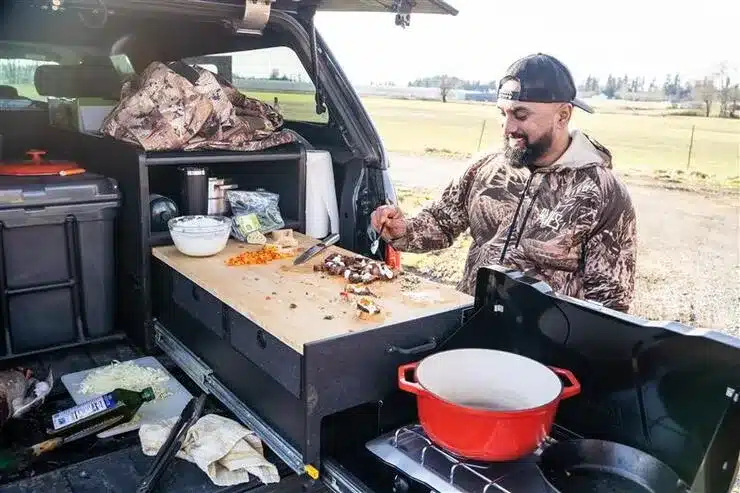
(254, 211)
(222, 448)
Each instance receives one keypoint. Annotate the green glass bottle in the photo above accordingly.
(120, 403)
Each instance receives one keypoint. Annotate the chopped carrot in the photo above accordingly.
(262, 256)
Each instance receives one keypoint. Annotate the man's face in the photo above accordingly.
(528, 128)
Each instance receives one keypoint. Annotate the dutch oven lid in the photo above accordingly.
(38, 166)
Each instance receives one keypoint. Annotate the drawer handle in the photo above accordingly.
(427, 346)
(261, 340)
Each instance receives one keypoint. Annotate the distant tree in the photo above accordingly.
(611, 88)
(445, 84)
(725, 91)
(735, 97)
(706, 92)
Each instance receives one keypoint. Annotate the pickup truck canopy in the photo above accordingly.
(232, 8)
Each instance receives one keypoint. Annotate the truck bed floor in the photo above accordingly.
(114, 464)
(123, 470)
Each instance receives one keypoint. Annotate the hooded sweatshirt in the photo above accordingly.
(570, 224)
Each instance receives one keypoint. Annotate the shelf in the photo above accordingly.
(163, 238)
(282, 153)
(160, 238)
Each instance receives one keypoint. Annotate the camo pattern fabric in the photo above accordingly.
(576, 227)
(162, 110)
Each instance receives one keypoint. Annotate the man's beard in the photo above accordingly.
(531, 152)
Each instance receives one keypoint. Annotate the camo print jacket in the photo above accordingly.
(162, 109)
(574, 224)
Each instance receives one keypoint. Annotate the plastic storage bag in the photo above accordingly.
(254, 211)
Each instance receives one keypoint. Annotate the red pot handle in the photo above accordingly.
(574, 388)
(407, 385)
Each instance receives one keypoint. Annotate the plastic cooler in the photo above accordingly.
(57, 262)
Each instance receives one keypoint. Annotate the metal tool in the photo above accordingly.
(302, 258)
(172, 445)
(375, 244)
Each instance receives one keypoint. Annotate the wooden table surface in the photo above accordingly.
(299, 306)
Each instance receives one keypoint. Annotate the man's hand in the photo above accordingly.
(392, 217)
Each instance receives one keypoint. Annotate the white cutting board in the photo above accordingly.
(150, 412)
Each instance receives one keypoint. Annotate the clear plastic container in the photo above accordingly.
(200, 236)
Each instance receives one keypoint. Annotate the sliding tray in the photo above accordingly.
(285, 343)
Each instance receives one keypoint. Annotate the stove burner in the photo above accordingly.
(414, 455)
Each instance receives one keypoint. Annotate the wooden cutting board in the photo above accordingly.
(150, 412)
(299, 306)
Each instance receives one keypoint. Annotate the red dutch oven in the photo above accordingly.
(484, 404)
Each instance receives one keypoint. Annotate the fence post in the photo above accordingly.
(691, 146)
(482, 131)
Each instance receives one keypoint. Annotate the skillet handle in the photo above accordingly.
(574, 388)
(408, 385)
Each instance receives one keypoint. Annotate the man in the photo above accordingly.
(547, 204)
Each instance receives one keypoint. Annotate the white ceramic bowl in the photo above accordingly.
(200, 236)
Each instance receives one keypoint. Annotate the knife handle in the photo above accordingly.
(331, 240)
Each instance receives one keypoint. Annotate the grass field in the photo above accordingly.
(640, 139)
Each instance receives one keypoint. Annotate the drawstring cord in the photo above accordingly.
(513, 221)
(526, 216)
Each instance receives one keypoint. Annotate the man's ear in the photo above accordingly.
(563, 115)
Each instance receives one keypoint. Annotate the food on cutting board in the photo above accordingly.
(409, 282)
(127, 375)
(283, 238)
(359, 289)
(266, 254)
(366, 305)
(355, 269)
(256, 238)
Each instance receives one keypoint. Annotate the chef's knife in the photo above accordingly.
(316, 249)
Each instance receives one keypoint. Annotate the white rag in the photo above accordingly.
(222, 448)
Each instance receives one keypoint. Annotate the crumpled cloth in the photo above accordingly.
(222, 448)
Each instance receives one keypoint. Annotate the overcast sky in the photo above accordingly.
(634, 37)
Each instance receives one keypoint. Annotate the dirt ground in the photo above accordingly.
(689, 244)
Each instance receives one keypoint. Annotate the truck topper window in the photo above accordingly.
(274, 75)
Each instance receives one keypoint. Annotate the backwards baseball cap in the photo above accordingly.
(542, 79)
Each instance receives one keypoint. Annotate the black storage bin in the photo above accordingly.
(57, 260)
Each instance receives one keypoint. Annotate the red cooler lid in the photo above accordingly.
(38, 166)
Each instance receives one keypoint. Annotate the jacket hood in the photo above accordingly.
(583, 152)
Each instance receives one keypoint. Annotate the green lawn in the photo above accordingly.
(636, 141)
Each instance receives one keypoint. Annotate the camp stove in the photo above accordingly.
(421, 465)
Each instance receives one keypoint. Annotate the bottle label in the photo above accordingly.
(73, 415)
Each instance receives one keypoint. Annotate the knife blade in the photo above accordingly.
(302, 258)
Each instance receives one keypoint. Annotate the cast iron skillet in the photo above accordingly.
(598, 466)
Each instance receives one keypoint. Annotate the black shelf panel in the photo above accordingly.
(283, 153)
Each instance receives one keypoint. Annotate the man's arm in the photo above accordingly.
(439, 224)
(611, 254)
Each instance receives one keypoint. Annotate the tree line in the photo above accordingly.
(718, 87)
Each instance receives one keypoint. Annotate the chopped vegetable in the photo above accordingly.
(284, 238)
(368, 306)
(256, 238)
(264, 255)
(126, 375)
